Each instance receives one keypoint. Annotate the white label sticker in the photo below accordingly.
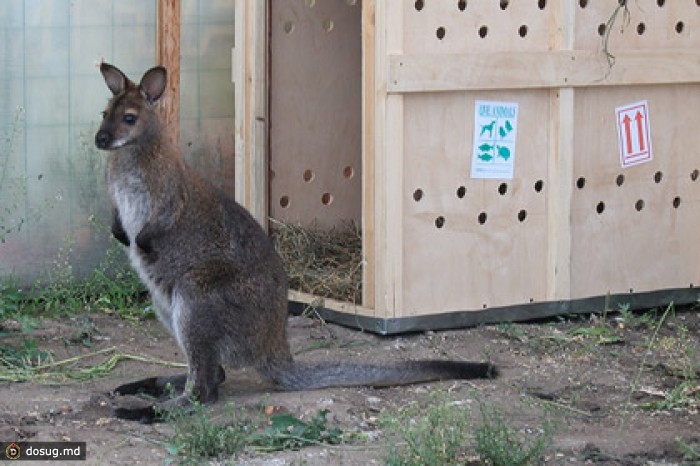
(495, 132)
(634, 133)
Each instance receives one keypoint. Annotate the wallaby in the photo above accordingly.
(216, 281)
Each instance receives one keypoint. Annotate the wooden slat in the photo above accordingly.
(250, 79)
(168, 55)
(560, 164)
(368, 187)
(524, 70)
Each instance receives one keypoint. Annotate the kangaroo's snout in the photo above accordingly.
(103, 139)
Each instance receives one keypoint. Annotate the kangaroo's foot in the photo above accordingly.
(161, 387)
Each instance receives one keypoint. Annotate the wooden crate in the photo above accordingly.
(376, 99)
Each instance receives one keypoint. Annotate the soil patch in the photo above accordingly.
(600, 380)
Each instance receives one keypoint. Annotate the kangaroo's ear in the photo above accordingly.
(115, 79)
(153, 84)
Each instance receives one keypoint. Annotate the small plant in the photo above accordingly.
(11, 299)
(85, 333)
(599, 335)
(111, 287)
(630, 319)
(199, 434)
(26, 356)
(689, 452)
(500, 445)
(436, 435)
(286, 432)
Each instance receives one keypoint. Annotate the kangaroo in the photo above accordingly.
(214, 277)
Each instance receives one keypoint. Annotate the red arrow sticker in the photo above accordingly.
(634, 133)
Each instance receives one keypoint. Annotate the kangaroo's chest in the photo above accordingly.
(133, 201)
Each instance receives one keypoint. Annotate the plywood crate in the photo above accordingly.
(364, 111)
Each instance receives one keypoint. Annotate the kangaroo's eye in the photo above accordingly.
(104, 115)
(129, 119)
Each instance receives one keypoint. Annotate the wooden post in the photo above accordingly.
(168, 55)
(250, 77)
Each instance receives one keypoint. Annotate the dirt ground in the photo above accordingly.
(592, 386)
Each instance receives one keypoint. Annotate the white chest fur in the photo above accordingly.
(133, 201)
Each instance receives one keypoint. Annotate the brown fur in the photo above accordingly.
(215, 279)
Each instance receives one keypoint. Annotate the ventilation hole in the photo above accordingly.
(419, 5)
(583, 3)
(288, 27)
(679, 27)
(503, 189)
(580, 183)
(504, 4)
(542, 4)
(482, 218)
(601, 29)
(676, 202)
(440, 222)
(658, 176)
(484, 30)
(417, 195)
(348, 172)
(284, 202)
(641, 28)
(661, 3)
(639, 205)
(462, 5)
(308, 176)
(620, 180)
(522, 31)
(484, 306)
(539, 184)
(328, 25)
(631, 290)
(461, 192)
(695, 173)
(440, 33)
(600, 208)
(522, 215)
(327, 199)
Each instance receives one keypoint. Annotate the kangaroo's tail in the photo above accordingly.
(304, 376)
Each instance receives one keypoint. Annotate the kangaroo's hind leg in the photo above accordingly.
(200, 343)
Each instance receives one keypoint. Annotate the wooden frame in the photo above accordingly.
(168, 55)
(250, 64)
(551, 59)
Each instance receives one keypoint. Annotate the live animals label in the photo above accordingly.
(495, 133)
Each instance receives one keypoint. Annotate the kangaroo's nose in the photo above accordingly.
(102, 139)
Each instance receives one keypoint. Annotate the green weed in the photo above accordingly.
(500, 445)
(199, 434)
(689, 452)
(432, 435)
(26, 356)
(112, 287)
(440, 433)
